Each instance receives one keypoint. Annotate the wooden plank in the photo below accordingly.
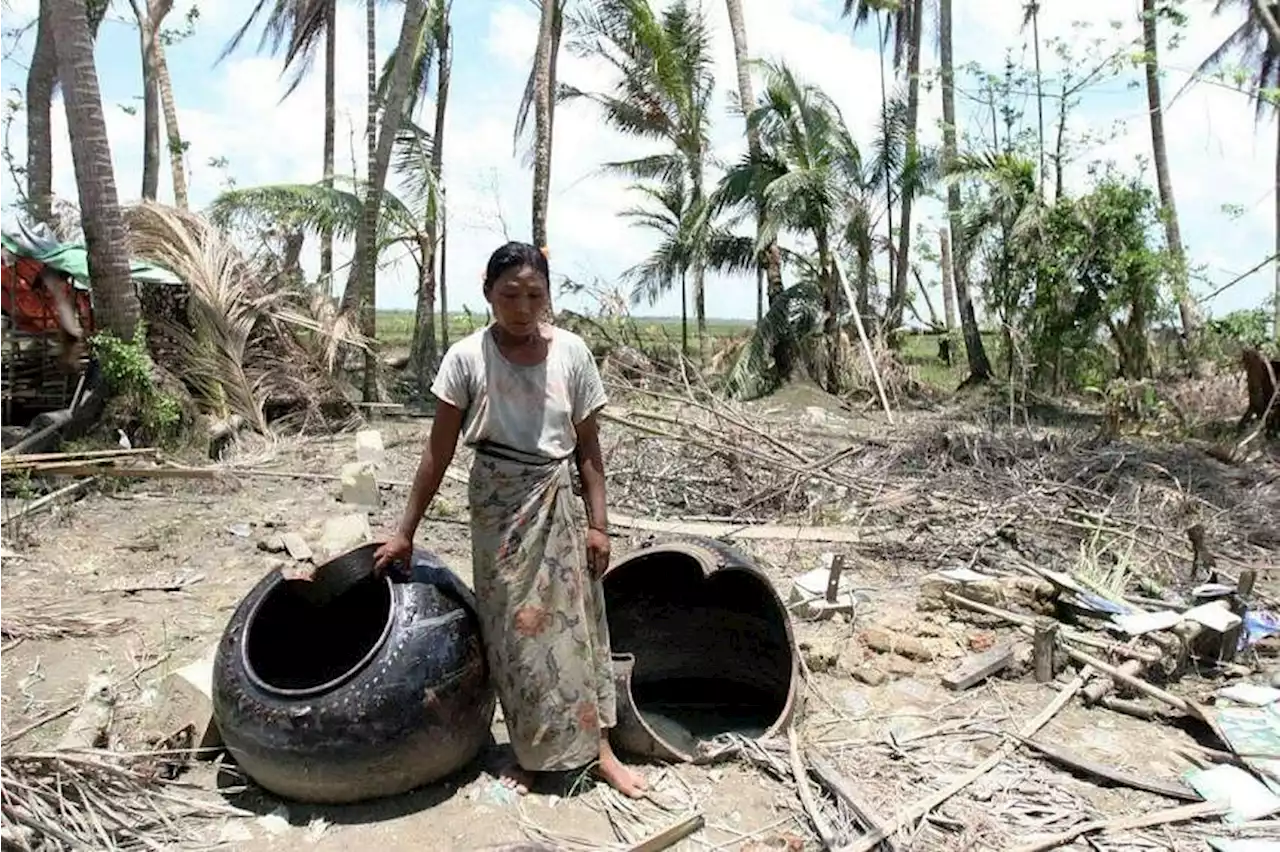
(979, 667)
(1065, 758)
(845, 790)
(745, 532)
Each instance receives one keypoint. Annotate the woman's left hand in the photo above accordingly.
(597, 553)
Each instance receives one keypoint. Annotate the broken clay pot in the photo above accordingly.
(702, 646)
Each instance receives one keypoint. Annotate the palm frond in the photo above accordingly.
(242, 347)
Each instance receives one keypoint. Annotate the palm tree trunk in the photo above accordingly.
(422, 356)
(150, 101)
(116, 301)
(361, 289)
(684, 314)
(888, 183)
(544, 61)
(330, 120)
(979, 366)
(177, 148)
(366, 261)
(1186, 307)
(948, 286)
(1269, 23)
(41, 79)
(444, 265)
(771, 261)
(1035, 37)
(901, 281)
(150, 15)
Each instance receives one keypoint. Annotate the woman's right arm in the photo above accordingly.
(436, 456)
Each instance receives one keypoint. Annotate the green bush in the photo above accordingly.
(129, 374)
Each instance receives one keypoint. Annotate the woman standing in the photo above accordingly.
(524, 395)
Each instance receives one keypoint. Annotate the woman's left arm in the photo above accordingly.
(591, 467)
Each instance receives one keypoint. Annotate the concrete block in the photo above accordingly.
(369, 446)
(340, 534)
(186, 699)
(360, 486)
(297, 546)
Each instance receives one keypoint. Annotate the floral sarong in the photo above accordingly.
(541, 613)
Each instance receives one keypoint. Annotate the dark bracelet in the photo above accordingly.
(598, 528)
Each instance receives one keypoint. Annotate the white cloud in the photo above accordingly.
(235, 111)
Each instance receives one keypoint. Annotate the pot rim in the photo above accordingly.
(332, 684)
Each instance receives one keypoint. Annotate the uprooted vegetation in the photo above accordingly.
(233, 348)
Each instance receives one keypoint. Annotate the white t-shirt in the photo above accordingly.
(530, 409)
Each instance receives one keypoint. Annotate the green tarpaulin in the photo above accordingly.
(73, 259)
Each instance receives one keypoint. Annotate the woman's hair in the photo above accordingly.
(515, 255)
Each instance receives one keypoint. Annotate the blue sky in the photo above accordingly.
(1222, 161)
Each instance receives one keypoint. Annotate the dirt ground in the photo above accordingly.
(887, 722)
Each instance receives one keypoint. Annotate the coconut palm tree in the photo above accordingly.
(361, 290)
(662, 92)
(298, 26)
(689, 240)
(1255, 45)
(116, 301)
(906, 26)
(808, 171)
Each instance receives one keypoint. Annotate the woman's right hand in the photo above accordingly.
(393, 550)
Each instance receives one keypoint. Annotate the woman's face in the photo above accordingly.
(518, 298)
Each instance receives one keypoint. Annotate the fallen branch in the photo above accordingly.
(928, 803)
(100, 800)
(1161, 817)
(671, 835)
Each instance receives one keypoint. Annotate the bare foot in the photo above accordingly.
(514, 778)
(626, 781)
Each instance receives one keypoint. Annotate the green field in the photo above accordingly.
(395, 328)
(919, 351)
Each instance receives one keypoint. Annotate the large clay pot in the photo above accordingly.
(702, 646)
(350, 686)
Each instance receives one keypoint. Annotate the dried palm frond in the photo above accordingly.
(99, 800)
(51, 623)
(246, 349)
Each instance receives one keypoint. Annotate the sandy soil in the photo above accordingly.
(896, 738)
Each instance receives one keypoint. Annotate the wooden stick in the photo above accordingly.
(40, 502)
(825, 832)
(1026, 625)
(1137, 683)
(1147, 820)
(933, 800)
(27, 458)
(844, 790)
(1042, 650)
(671, 835)
(134, 472)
